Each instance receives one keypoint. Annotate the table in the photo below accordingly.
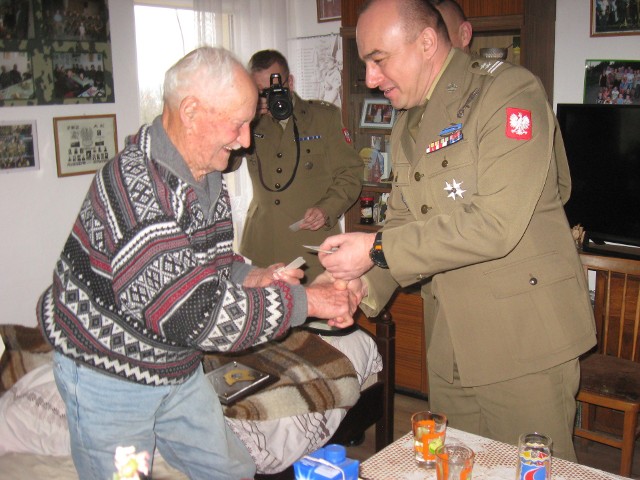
(494, 461)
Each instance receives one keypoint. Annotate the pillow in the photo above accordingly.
(33, 417)
(26, 349)
(16, 364)
(361, 350)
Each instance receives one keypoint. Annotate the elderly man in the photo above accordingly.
(475, 207)
(147, 280)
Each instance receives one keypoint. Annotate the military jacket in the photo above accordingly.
(476, 214)
(328, 175)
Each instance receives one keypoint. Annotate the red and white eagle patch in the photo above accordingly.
(347, 136)
(519, 124)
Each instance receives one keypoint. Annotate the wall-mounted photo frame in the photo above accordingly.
(16, 75)
(612, 82)
(611, 18)
(329, 10)
(18, 146)
(84, 144)
(78, 75)
(377, 113)
(52, 45)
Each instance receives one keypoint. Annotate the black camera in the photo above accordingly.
(278, 98)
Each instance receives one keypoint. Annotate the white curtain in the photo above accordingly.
(253, 25)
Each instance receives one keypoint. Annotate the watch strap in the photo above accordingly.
(376, 254)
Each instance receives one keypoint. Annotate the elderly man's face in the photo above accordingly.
(395, 66)
(222, 124)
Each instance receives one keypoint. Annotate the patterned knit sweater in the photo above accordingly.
(144, 282)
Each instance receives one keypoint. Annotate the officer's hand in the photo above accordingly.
(314, 219)
(350, 258)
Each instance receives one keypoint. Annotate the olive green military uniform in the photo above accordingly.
(328, 175)
(477, 208)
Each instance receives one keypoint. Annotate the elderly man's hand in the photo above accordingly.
(356, 289)
(332, 302)
(263, 277)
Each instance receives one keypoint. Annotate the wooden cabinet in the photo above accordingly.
(411, 366)
(499, 23)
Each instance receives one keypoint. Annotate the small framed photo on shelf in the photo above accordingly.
(611, 82)
(377, 113)
(18, 146)
(329, 10)
(612, 19)
(84, 144)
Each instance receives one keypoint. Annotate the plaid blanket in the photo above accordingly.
(313, 377)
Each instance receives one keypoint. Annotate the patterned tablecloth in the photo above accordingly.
(494, 460)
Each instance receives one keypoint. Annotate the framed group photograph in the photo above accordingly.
(18, 146)
(55, 52)
(612, 82)
(329, 10)
(16, 76)
(377, 113)
(84, 144)
(614, 17)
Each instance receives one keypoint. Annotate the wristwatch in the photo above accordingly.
(376, 254)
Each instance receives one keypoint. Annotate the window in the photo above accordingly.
(163, 36)
(166, 31)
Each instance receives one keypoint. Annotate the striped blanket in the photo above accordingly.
(313, 377)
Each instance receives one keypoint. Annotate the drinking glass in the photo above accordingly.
(429, 430)
(534, 456)
(454, 462)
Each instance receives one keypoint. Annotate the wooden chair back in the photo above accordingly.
(616, 304)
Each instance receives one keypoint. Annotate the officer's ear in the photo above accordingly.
(465, 30)
(429, 40)
(292, 82)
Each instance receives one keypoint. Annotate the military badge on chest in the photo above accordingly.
(454, 188)
(448, 136)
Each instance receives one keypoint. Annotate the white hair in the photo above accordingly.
(205, 69)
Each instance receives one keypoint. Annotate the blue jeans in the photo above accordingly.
(184, 421)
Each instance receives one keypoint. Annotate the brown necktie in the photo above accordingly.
(414, 118)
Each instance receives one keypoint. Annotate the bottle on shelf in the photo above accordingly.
(366, 210)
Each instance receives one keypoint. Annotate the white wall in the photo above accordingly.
(37, 209)
(574, 46)
(303, 20)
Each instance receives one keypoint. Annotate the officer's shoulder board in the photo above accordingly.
(323, 104)
(484, 66)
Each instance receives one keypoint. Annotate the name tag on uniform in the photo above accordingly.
(310, 137)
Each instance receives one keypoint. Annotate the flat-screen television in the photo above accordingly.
(603, 148)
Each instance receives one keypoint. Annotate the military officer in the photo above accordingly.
(476, 207)
(304, 172)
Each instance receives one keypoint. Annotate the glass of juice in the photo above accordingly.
(429, 431)
(454, 462)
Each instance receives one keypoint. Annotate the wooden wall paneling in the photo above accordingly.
(484, 8)
(411, 364)
(539, 41)
(349, 12)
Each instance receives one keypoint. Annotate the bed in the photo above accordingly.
(34, 438)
